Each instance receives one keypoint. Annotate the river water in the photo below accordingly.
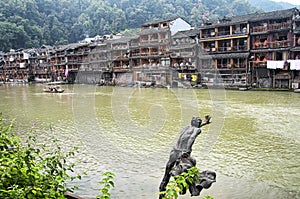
(253, 142)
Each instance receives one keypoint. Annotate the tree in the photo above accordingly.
(37, 22)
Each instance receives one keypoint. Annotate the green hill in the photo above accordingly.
(33, 23)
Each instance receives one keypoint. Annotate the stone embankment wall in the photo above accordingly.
(88, 77)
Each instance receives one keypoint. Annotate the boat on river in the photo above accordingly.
(243, 89)
(53, 89)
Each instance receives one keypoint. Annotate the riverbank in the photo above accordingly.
(272, 89)
(153, 85)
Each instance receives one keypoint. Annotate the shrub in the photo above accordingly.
(30, 172)
(181, 183)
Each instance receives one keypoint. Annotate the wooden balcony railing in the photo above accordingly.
(223, 32)
(240, 47)
(273, 44)
(259, 29)
(276, 26)
(231, 66)
(226, 49)
(280, 44)
(258, 45)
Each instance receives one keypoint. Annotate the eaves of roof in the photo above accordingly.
(278, 14)
(159, 21)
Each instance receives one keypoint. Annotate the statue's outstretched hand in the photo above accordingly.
(207, 119)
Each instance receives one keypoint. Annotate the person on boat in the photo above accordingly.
(183, 147)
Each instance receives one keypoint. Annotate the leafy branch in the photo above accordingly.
(107, 183)
(181, 183)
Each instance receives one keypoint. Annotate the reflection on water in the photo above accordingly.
(252, 144)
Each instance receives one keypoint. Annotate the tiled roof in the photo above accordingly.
(159, 21)
(186, 33)
(279, 14)
(121, 40)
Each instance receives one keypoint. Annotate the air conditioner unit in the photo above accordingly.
(212, 34)
(213, 49)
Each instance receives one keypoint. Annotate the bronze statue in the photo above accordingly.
(180, 158)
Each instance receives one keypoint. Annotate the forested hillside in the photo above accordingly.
(268, 5)
(32, 23)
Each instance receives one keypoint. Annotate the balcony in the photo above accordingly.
(224, 66)
(273, 44)
(150, 54)
(259, 29)
(280, 44)
(121, 68)
(223, 33)
(259, 45)
(239, 48)
(207, 35)
(224, 49)
(278, 26)
(269, 27)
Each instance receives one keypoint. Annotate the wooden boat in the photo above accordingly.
(53, 89)
(243, 89)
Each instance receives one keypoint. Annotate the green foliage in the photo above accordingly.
(208, 197)
(180, 183)
(107, 183)
(32, 23)
(30, 172)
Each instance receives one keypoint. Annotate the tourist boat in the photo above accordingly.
(53, 89)
(243, 89)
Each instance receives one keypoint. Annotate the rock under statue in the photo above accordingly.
(180, 159)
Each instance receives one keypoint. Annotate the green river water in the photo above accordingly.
(253, 142)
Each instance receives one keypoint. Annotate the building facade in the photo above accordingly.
(257, 50)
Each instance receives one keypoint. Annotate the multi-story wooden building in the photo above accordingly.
(120, 60)
(254, 49)
(151, 57)
(295, 53)
(100, 60)
(67, 60)
(40, 69)
(2, 65)
(141, 58)
(271, 41)
(184, 54)
(226, 41)
(16, 66)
